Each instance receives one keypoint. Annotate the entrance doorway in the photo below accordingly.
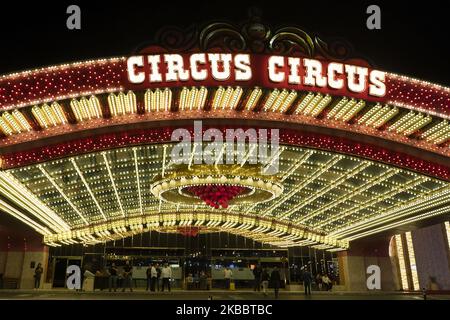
(60, 265)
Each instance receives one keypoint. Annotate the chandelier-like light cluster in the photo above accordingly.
(217, 186)
(217, 195)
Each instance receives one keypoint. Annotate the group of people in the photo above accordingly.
(159, 278)
(127, 277)
(324, 282)
(154, 275)
(262, 278)
(197, 282)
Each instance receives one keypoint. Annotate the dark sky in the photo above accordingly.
(412, 41)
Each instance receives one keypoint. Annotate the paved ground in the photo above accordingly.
(199, 295)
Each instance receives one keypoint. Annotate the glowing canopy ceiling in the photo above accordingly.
(328, 198)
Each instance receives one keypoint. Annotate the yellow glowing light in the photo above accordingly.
(402, 264)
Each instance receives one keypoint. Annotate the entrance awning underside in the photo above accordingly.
(317, 198)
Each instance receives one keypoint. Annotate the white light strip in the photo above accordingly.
(379, 114)
(355, 192)
(251, 150)
(318, 172)
(414, 108)
(26, 199)
(402, 263)
(271, 99)
(447, 230)
(111, 178)
(136, 168)
(297, 164)
(55, 185)
(194, 149)
(199, 222)
(412, 261)
(337, 108)
(424, 202)
(253, 99)
(296, 188)
(332, 185)
(88, 188)
(268, 163)
(303, 103)
(220, 155)
(163, 170)
(426, 215)
(18, 215)
(376, 200)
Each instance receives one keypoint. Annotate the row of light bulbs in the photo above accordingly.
(410, 123)
(86, 108)
(265, 231)
(425, 202)
(378, 116)
(280, 101)
(373, 201)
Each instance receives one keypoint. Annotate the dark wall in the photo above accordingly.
(202, 243)
(16, 236)
(412, 40)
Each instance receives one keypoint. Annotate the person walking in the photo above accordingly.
(112, 283)
(265, 280)
(307, 279)
(166, 274)
(257, 275)
(148, 273)
(275, 278)
(227, 274)
(37, 276)
(127, 276)
(154, 278)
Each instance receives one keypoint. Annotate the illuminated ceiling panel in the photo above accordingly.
(327, 198)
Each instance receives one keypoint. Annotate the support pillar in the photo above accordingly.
(362, 254)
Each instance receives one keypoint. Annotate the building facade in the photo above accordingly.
(236, 145)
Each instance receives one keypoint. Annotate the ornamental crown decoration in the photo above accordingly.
(251, 36)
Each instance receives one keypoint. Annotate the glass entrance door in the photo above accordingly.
(60, 268)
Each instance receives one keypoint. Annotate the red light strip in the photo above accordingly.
(161, 135)
(107, 75)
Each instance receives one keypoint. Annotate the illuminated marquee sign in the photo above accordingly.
(270, 71)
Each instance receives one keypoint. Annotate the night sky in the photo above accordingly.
(412, 41)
